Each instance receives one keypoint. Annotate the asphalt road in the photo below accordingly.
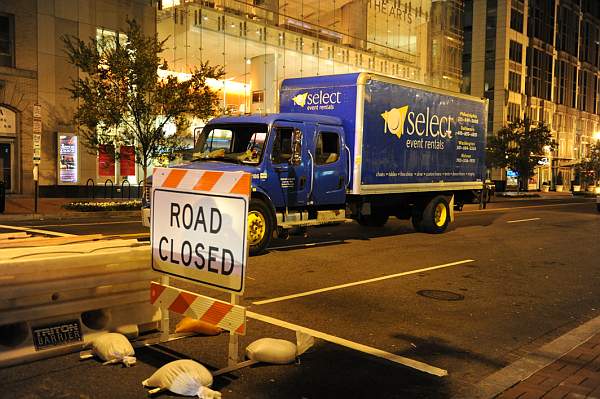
(513, 277)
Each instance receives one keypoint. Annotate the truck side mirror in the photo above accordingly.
(296, 158)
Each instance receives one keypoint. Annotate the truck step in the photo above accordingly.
(314, 222)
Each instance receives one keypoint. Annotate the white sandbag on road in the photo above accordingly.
(112, 348)
(271, 350)
(184, 377)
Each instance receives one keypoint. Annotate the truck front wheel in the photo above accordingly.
(436, 215)
(260, 226)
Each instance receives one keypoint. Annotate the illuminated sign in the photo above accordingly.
(67, 158)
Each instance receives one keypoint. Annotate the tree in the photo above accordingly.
(123, 101)
(591, 165)
(519, 146)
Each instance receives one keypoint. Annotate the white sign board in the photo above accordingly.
(37, 126)
(200, 236)
(8, 121)
(37, 111)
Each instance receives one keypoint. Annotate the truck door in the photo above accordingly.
(330, 166)
(293, 176)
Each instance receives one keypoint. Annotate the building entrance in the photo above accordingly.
(6, 165)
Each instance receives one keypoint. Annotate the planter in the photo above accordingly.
(545, 188)
(591, 189)
(576, 188)
(559, 188)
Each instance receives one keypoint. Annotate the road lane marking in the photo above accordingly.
(523, 207)
(405, 361)
(522, 220)
(371, 280)
(85, 224)
(47, 232)
(306, 245)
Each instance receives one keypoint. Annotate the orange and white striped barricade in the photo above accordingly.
(198, 233)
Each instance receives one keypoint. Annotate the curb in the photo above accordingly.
(498, 382)
(67, 215)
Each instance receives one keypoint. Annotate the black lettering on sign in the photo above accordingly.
(227, 269)
(60, 333)
(199, 250)
(173, 260)
(165, 257)
(200, 220)
(186, 253)
(175, 213)
(212, 258)
(187, 216)
(215, 214)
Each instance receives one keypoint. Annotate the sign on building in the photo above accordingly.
(8, 121)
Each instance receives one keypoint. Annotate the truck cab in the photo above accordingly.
(299, 165)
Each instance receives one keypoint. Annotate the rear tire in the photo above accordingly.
(260, 226)
(417, 219)
(436, 215)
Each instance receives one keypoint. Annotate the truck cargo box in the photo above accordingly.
(403, 137)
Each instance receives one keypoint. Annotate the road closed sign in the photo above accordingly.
(198, 226)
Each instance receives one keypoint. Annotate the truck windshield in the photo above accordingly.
(243, 143)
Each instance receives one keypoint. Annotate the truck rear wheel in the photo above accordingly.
(436, 216)
(417, 219)
(260, 226)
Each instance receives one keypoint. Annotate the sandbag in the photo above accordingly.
(271, 350)
(189, 325)
(114, 348)
(184, 377)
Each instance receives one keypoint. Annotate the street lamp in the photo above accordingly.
(596, 136)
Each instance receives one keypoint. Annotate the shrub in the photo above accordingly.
(133, 205)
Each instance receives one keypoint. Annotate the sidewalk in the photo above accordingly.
(575, 375)
(510, 195)
(19, 208)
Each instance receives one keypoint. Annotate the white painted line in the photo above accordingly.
(415, 364)
(522, 220)
(310, 244)
(371, 280)
(524, 207)
(47, 232)
(85, 224)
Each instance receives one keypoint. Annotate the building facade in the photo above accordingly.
(258, 42)
(36, 111)
(540, 59)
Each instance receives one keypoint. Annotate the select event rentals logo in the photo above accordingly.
(318, 100)
(394, 120)
(431, 129)
(300, 99)
(424, 124)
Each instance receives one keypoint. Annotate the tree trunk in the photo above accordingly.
(145, 173)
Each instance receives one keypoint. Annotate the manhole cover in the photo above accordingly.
(441, 295)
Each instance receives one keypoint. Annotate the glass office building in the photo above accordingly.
(262, 42)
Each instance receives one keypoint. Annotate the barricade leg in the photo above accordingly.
(233, 355)
(164, 321)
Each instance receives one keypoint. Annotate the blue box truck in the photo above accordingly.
(357, 147)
